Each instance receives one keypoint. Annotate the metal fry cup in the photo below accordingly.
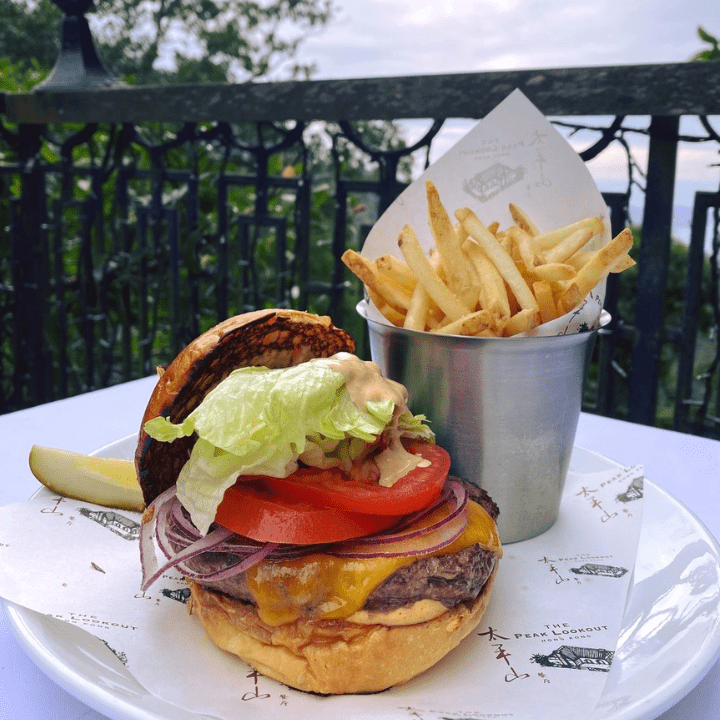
(506, 409)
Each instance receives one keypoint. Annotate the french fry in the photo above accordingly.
(623, 263)
(435, 314)
(416, 316)
(544, 295)
(389, 313)
(437, 264)
(373, 279)
(526, 251)
(596, 269)
(580, 258)
(493, 292)
(505, 240)
(514, 306)
(460, 232)
(470, 324)
(568, 246)
(397, 271)
(522, 220)
(448, 245)
(499, 257)
(547, 240)
(520, 322)
(472, 268)
(569, 297)
(553, 272)
(414, 256)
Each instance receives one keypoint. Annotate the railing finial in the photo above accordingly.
(78, 66)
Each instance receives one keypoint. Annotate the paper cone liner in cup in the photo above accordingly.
(513, 155)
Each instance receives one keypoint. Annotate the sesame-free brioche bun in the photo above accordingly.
(335, 657)
(272, 338)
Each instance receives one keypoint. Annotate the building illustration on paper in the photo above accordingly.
(577, 658)
(115, 522)
(634, 491)
(180, 594)
(599, 570)
(488, 183)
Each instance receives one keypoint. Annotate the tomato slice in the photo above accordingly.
(253, 509)
(331, 488)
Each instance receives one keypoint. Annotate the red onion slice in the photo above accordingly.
(209, 542)
(170, 529)
(148, 557)
(415, 541)
(233, 569)
(454, 498)
(419, 515)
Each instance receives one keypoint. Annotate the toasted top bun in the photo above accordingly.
(271, 338)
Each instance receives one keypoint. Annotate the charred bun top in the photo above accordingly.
(270, 338)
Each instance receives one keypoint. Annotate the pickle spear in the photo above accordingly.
(110, 482)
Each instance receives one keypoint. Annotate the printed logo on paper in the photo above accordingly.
(181, 595)
(610, 571)
(491, 182)
(577, 658)
(115, 522)
(634, 491)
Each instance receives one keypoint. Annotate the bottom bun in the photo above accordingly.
(335, 656)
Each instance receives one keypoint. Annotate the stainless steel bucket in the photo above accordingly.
(506, 409)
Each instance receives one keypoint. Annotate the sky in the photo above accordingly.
(385, 38)
(375, 38)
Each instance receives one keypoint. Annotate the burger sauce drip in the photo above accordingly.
(365, 383)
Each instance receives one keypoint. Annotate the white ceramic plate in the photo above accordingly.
(670, 636)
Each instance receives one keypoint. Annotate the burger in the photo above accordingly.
(310, 512)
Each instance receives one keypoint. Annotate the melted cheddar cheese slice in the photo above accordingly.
(326, 587)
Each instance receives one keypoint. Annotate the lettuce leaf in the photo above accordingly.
(260, 420)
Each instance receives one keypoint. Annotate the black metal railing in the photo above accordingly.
(135, 217)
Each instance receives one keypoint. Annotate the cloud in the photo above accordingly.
(379, 38)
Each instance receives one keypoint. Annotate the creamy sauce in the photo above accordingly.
(365, 383)
(419, 612)
(396, 462)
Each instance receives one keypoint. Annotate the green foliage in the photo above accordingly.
(186, 41)
(183, 41)
(29, 33)
(711, 53)
(673, 307)
(20, 75)
(673, 300)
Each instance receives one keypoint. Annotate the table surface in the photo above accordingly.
(686, 466)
